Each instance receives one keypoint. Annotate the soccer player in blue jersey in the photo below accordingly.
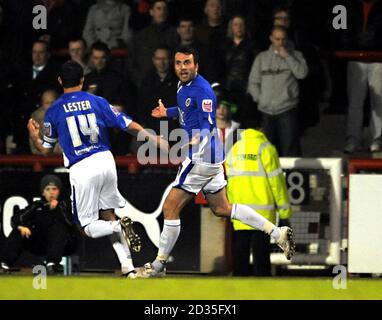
(79, 121)
(203, 167)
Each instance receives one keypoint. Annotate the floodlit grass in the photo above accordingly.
(189, 288)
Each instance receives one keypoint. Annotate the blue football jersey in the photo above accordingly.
(79, 122)
(197, 112)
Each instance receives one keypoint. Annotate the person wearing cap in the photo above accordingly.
(227, 127)
(45, 227)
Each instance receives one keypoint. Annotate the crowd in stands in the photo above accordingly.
(125, 48)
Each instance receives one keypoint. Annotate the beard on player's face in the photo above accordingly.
(187, 74)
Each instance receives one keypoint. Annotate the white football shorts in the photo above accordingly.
(194, 177)
(94, 187)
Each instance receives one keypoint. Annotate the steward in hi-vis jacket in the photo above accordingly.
(255, 178)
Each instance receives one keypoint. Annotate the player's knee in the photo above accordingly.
(221, 211)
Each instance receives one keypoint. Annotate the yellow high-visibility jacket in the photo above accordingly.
(255, 178)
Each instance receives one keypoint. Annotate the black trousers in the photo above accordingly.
(53, 243)
(243, 242)
(282, 130)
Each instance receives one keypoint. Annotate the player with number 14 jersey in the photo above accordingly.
(80, 120)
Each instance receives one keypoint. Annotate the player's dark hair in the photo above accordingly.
(185, 49)
(71, 74)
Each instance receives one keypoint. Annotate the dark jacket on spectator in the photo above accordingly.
(143, 45)
(150, 91)
(108, 84)
(32, 89)
(214, 38)
(28, 97)
(39, 216)
(53, 232)
(238, 62)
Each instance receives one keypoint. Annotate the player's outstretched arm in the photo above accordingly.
(160, 111)
(135, 128)
(34, 133)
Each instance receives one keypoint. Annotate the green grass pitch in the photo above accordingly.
(188, 288)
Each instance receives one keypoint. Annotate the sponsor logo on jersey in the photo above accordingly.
(207, 105)
(47, 130)
(188, 102)
(181, 118)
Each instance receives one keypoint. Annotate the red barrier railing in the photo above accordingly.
(354, 165)
(39, 163)
(366, 56)
(353, 55)
(64, 52)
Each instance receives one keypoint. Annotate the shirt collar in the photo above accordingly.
(38, 68)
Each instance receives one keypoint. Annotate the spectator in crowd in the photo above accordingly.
(103, 80)
(159, 83)
(186, 32)
(255, 178)
(77, 52)
(108, 22)
(312, 86)
(140, 15)
(45, 227)
(47, 99)
(35, 78)
(142, 47)
(41, 74)
(213, 28)
(63, 22)
(274, 87)
(239, 55)
(282, 18)
(212, 32)
(7, 80)
(364, 75)
(227, 128)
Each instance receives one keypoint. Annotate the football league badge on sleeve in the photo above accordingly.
(207, 105)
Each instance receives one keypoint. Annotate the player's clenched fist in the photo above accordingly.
(34, 128)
